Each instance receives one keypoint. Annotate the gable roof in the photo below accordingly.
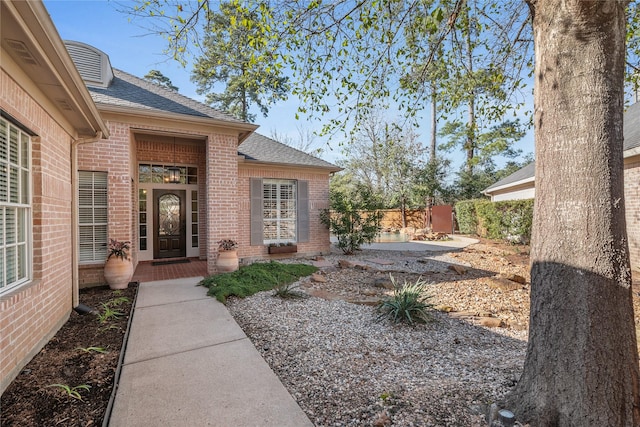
(261, 149)
(127, 90)
(630, 146)
(116, 90)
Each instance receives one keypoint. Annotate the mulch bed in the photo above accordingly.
(69, 360)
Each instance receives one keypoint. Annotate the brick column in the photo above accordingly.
(222, 197)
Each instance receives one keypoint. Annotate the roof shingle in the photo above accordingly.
(262, 149)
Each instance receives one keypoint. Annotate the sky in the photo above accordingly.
(132, 49)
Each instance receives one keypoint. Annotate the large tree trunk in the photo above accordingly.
(581, 367)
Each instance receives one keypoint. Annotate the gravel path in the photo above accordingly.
(346, 368)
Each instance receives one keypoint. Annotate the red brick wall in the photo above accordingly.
(32, 313)
(114, 157)
(632, 205)
(318, 200)
(221, 196)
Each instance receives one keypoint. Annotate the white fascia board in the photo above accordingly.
(511, 184)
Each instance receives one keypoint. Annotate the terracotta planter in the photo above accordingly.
(118, 272)
(227, 260)
(283, 249)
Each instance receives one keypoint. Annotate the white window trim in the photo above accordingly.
(28, 209)
(294, 220)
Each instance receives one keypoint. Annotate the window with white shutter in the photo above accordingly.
(15, 206)
(279, 211)
(92, 216)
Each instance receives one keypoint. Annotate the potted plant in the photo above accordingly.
(118, 268)
(227, 255)
(282, 248)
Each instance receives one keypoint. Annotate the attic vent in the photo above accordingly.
(92, 64)
(22, 51)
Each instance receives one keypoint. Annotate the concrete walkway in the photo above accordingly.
(188, 363)
(456, 242)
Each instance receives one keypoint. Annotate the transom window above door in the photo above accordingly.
(159, 174)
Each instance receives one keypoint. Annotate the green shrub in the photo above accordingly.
(509, 220)
(408, 304)
(257, 277)
(466, 216)
(354, 218)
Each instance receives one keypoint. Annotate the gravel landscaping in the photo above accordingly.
(346, 367)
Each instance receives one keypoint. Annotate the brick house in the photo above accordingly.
(521, 184)
(92, 153)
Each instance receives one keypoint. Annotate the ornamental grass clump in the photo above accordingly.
(409, 303)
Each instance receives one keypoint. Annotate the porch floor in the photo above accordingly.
(147, 272)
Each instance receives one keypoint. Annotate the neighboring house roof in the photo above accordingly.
(630, 147)
(526, 174)
(259, 148)
(632, 127)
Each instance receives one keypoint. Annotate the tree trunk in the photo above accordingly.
(581, 367)
(432, 152)
(470, 145)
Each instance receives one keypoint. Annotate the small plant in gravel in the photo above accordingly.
(409, 303)
(73, 392)
(288, 291)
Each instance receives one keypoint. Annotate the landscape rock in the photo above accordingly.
(503, 284)
(343, 263)
(383, 282)
(318, 278)
(459, 269)
(515, 278)
(490, 322)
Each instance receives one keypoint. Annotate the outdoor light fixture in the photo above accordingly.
(174, 171)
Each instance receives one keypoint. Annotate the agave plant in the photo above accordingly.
(409, 303)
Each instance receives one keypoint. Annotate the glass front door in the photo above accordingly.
(170, 224)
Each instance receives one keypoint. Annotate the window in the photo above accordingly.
(159, 174)
(92, 216)
(279, 211)
(15, 206)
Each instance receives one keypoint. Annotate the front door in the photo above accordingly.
(170, 224)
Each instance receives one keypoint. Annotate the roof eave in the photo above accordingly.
(491, 190)
(632, 152)
(245, 129)
(330, 169)
(36, 22)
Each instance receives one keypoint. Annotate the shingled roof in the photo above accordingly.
(632, 127)
(126, 90)
(631, 141)
(259, 148)
(109, 86)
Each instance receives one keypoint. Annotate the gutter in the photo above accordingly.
(74, 215)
